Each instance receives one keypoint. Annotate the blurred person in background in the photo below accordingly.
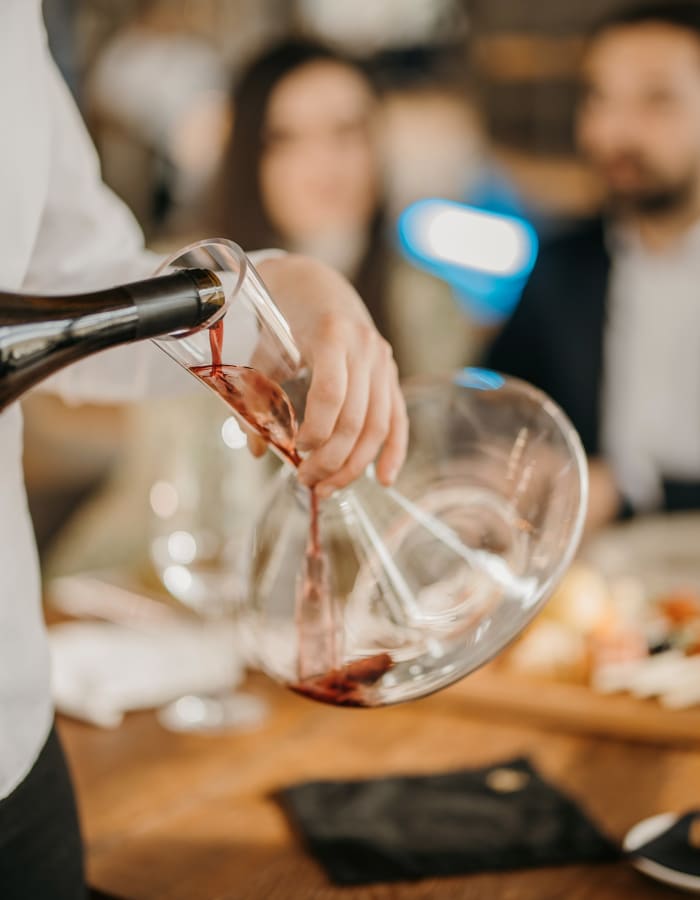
(609, 324)
(302, 169)
(62, 229)
(309, 167)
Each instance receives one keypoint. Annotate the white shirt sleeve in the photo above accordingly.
(88, 239)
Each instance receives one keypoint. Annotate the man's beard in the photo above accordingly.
(652, 202)
(655, 199)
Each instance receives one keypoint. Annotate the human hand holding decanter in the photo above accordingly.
(355, 411)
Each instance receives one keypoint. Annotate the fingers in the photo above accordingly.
(374, 432)
(394, 451)
(353, 405)
(327, 392)
(330, 457)
(372, 414)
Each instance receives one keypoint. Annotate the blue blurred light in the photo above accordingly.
(484, 256)
(479, 379)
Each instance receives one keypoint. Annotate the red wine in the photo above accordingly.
(315, 608)
(257, 400)
(263, 404)
(216, 341)
(347, 686)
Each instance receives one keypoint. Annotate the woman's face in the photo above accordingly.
(319, 167)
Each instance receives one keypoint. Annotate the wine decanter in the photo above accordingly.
(377, 595)
(427, 580)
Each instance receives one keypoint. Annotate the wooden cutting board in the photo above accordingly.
(497, 693)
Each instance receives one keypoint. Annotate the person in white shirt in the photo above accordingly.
(609, 323)
(62, 229)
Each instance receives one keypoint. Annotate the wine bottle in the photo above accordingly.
(41, 334)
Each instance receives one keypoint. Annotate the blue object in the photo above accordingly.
(484, 256)
(479, 379)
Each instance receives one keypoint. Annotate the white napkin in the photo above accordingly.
(101, 670)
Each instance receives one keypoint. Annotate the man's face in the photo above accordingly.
(639, 119)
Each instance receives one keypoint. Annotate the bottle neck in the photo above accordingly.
(176, 303)
(40, 335)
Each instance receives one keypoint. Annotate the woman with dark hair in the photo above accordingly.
(301, 171)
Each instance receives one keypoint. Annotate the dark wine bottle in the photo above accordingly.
(41, 334)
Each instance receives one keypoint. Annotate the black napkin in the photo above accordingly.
(673, 848)
(391, 829)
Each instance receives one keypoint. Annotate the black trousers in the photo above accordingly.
(41, 856)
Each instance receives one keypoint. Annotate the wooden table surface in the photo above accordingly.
(187, 817)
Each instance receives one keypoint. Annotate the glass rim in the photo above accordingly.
(229, 294)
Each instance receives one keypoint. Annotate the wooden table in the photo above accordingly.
(185, 817)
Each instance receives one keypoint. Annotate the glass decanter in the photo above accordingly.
(377, 595)
(426, 581)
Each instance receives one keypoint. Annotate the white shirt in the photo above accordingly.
(651, 394)
(60, 229)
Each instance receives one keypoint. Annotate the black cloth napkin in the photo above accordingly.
(392, 829)
(672, 848)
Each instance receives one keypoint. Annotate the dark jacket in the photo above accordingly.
(555, 338)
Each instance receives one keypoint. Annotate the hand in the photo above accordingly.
(354, 409)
